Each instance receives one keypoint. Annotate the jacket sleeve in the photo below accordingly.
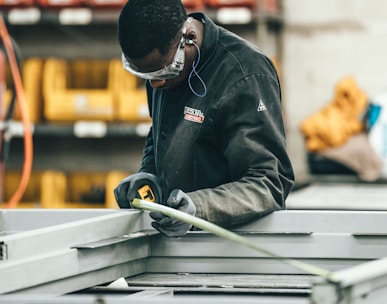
(148, 160)
(251, 126)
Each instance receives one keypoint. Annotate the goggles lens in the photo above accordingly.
(171, 71)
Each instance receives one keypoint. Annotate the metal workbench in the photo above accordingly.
(71, 256)
(340, 195)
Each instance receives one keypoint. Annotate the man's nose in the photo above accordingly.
(157, 83)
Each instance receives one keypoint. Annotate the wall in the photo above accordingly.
(324, 40)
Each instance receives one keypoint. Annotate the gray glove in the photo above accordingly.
(171, 227)
(139, 185)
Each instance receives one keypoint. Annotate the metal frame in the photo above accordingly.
(364, 283)
(84, 249)
(57, 252)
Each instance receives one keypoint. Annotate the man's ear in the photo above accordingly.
(190, 38)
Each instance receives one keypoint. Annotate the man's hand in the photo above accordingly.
(139, 185)
(171, 227)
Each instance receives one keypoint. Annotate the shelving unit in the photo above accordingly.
(84, 32)
(86, 28)
(86, 145)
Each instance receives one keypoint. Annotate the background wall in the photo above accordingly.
(323, 41)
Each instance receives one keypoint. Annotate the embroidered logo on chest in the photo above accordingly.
(194, 115)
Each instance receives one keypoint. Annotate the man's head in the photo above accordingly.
(158, 41)
(145, 25)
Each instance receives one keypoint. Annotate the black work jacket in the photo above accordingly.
(227, 150)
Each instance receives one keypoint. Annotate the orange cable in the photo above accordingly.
(28, 145)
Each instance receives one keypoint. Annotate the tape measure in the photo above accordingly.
(146, 193)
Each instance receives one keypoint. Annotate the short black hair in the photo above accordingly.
(145, 25)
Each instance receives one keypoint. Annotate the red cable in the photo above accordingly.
(28, 145)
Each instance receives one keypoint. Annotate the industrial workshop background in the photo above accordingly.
(86, 136)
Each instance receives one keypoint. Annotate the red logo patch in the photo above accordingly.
(193, 115)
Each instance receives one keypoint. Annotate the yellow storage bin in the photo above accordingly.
(129, 94)
(73, 190)
(132, 106)
(32, 83)
(80, 189)
(57, 189)
(77, 90)
(112, 180)
(32, 195)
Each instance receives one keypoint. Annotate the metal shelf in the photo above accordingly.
(88, 16)
(95, 129)
(83, 129)
(61, 16)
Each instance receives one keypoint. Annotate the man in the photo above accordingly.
(217, 146)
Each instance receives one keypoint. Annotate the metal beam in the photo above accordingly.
(69, 256)
(364, 283)
(62, 251)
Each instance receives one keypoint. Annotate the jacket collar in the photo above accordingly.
(210, 38)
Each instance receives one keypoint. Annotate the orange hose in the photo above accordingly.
(28, 145)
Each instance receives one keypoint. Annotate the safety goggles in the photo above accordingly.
(170, 71)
